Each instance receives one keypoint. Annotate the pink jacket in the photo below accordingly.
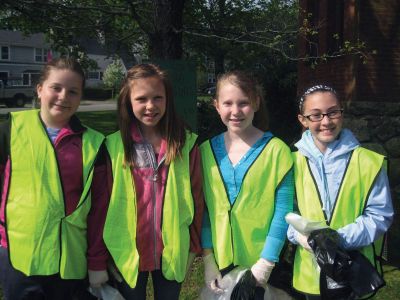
(68, 147)
(150, 175)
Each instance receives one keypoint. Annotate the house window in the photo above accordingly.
(26, 79)
(40, 55)
(211, 77)
(3, 76)
(35, 77)
(5, 53)
(94, 75)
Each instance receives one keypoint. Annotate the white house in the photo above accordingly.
(22, 58)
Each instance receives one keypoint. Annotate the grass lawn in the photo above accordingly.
(105, 122)
(194, 282)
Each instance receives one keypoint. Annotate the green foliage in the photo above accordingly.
(308, 32)
(227, 31)
(113, 23)
(113, 75)
(237, 33)
(209, 123)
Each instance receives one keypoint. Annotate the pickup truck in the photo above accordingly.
(16, 96)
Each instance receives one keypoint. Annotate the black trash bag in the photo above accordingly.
(331, 289)
(344, 274)
(245, 289)
(334, 262)
(363, 278)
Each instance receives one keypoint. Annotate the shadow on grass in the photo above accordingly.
(103, 121)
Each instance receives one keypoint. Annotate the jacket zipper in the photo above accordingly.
(154, 178)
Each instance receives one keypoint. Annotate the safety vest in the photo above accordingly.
(362, 169)
(178, 211)
(239, 230)
(42, 239)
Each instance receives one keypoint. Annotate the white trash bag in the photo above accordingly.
(229, 281)
(303, 225)
(106, 292)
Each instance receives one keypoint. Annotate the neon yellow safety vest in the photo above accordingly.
(42, 240)
(362, 169)
(239, 230)
(178, 212)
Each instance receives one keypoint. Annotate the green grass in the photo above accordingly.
(392, 288)
(195, 281)
(103, 121)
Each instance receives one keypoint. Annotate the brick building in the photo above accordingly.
(370, 91)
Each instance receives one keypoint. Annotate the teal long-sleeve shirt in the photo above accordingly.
(233, 178)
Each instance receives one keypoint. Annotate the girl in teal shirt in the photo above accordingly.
(240, 105)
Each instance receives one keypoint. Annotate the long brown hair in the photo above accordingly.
(171, 127)
(252, 89)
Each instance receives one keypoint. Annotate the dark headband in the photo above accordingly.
(314, 89)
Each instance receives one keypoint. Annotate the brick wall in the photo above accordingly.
(337, 72)
(379, 27)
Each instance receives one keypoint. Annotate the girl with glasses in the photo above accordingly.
(339, 182)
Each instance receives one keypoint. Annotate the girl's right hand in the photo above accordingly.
(97, 278)
(212, 276)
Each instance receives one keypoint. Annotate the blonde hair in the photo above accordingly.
(253, 90)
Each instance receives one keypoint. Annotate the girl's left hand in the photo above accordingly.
(261, 271)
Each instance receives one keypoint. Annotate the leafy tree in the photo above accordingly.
(217, 28)
(119, 24)
(233, 31)
(113, 76)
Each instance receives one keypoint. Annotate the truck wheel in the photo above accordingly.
(9, 103)
(19, 101)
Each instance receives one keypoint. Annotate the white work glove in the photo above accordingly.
(212, 276)
(97, 278)
(302, 240)
(261, 271)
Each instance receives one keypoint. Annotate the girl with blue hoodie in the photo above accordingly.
(339, 182)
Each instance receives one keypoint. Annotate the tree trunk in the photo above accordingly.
(166, 40)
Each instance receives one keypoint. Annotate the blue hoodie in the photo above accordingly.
(328, 169)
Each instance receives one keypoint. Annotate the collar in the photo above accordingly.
(137, 137)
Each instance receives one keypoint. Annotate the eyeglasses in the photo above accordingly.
(334, 114)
